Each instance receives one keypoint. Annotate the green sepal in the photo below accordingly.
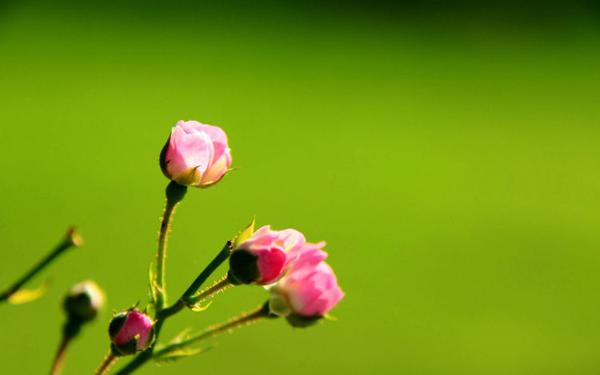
(300, 321)
(175, 192)
(162, 159)
(129, 348)
(244, 234)
(114, 327)
(243, 267)
(331, 318)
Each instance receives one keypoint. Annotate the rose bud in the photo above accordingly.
(195, 154)
(307, 292)
(266, 255)
(83, 301)
(130, 331)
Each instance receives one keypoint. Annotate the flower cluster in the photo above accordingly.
(302, 286)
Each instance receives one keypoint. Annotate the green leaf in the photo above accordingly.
(183, 335)
(198, 307)
(27, 295)
(331, 318)
(175, 350)
(244, 234)
(155, 291)
(176, 354)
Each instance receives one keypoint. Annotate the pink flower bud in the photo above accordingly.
(308, 291)
(130, 331)
(195, 154)
(265, 257)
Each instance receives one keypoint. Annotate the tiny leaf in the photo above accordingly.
(331, 318)
(181, 336)
(198, 307)
(27, 295)
(176, 354)
(155, 290)
(244, 234)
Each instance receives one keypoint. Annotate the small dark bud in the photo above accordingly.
(83, 301)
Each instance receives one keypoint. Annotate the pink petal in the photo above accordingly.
(270, 264)
(186, 151)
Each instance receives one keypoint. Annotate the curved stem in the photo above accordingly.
(174, 194)
(71, 239)
(242, 320)
(59, 359)
(108, 361)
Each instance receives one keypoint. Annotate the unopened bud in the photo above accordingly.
(130, 331)
(83, 301)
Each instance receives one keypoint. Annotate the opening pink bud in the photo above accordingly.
(130, 331)
(308, 291)
(265, 256)
(196, 154)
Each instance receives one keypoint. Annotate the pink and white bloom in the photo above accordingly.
(265, 256)
(196, 154)
(131, 331)
(309, 290)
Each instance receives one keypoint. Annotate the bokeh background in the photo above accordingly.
(448, 152)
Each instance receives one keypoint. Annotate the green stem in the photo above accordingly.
(174, 194)
(209, 270)
(244, 319)
(71, 239)
(59, 359)
(218, 287)
(108, 361)
(71, 329)
(197, 283)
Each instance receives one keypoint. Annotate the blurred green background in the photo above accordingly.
(449, 155)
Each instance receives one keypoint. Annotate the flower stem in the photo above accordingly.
(243, 319)
(59, 359)
(71, 239)
(174, 194)
(197, 283)
(205, 274)
(108, 361)
(71, 329)
(218, 287)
